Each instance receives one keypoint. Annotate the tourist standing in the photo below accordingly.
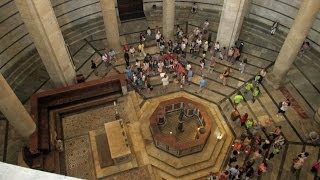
(158, 36)
(262, 168)
(141, 49)
(212, 64)
(255, 93)
(249, 173)
(202, 83)
(205, 25)
(242, 65)
(248, 87)
(249, 124)
(233, 157)
(222, 53)
(303, 155)
(112, 55)
(284, 107)
(196, 50)
(225, 75)
(202, 64)
(205, 49)
(132, 50)
(165, 83)
(234, 172)
(182, 80)
(274, 27)
(297, 164)
(223, 176)
(230, 54)
(315, 167)
(94, 67)
(194, 8)
(244, 119)
(127, 58)
(105, 59)
(237, 99)
(190, 75)
(149, 32)
(274, 151)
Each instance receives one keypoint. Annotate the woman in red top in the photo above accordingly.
(262, 168)
(223, 176)
(244, 119)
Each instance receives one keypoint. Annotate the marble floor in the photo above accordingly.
(261, 50)
(189, 126)
(78, 157)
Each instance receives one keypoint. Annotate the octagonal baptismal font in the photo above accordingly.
(184, 136)
(180, 126)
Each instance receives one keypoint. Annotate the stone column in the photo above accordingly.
(232, 15)
(14, 111)
(111, 24)
(41, 22)
(317, 115)
(168, 13)
(291, 46)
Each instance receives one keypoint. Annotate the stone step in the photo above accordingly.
(83, 34)
(91, 21)
(85, 27)
(301, 126)
(32, 81)
(25, 68)
(130, 108)
(205, 94)
(192, 170)
(31, 68)
(28, 59)
(272, 110)
(262, 25)
(135, 104)
(287, 162)
(278, 37)
(185, 161)
(275, 40)
(249, 35)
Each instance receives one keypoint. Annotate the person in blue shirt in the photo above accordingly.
(129, 72)
(202, 83)
(112, 54)
(190, 75)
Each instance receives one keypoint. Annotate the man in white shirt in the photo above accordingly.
(206, 25)
(188, 67)
(194, 8)
(158, 36)
(216, 46)
(165, 83)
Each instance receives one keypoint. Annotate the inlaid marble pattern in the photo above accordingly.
(76, 126)
(78, 157)
(81, 123)
(141, 173)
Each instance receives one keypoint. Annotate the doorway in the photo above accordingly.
(130, 9)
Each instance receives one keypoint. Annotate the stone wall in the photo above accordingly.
(202, 4)
(15, 41)
(284, 11)
(73, 12)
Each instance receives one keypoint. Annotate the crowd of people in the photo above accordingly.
(256, 150)
(172, 67)
(171, 63)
